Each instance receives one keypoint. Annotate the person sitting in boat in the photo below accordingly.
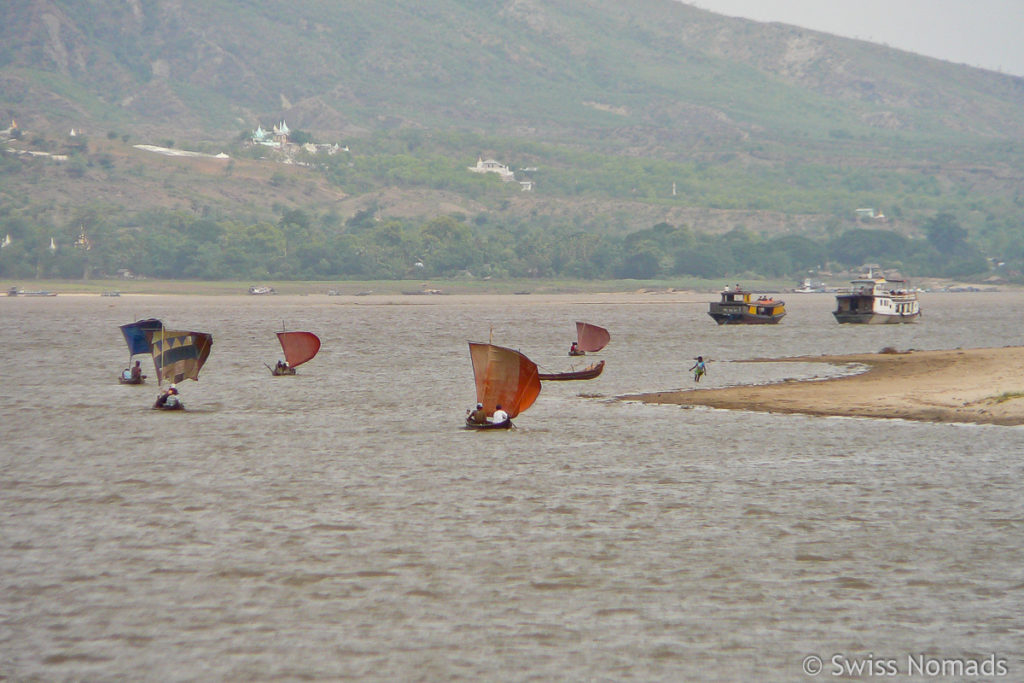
(168, 398)
(136, 372)
(699, 369)
(282, 368)
(575, 350)
(479, 415)
(499, 416)
(126, 374)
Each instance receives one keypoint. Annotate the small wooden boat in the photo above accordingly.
(169, 400)
(590, 338)
(137, 336)
(507, 424)
(298, 347)
(589, 372)
(504, 378)
(178, 355)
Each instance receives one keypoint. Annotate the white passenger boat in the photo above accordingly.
(875, 300)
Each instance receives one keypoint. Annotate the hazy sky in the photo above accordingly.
(983, 33)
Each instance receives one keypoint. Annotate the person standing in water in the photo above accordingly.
(699, 369)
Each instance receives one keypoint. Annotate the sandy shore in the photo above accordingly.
(962, 385)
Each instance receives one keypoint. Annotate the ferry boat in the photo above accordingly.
(739, 307)
(876, 300)
(809, 287)
(14, 291)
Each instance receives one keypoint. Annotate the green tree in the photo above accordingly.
(859, 245)
(642, 262)
(945, 234)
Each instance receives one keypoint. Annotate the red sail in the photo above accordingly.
(504, 377)
(591, 338)
(299, 347)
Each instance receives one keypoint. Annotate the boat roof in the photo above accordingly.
(875, 280)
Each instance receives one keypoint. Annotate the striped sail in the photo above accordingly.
(179, 355)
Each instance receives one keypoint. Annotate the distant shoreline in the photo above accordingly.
(411, 288)
(982, 386)
(425, 288)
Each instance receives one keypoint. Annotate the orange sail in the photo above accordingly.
(591, 338)
(504, 377)
(299, 347)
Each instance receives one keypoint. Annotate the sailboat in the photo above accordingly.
(298, 348)
(505, 378)
(136, 336)
(179, 355)
(589, 372)
(589, 338)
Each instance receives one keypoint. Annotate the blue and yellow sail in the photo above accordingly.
(179, 355)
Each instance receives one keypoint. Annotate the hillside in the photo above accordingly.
(507, 67)
(633, 112)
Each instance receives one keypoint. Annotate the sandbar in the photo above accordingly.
(982, 385)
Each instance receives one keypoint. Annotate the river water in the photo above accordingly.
(340, 525)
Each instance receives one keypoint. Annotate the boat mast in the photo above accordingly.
(163, 350)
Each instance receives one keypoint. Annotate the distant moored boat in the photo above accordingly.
(877, 300)
(739, 307)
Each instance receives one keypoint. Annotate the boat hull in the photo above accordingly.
(587, 373)
(134, 380)
(731, 318)
(845, 317)
(507, 424)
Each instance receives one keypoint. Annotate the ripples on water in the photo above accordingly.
(339, 524)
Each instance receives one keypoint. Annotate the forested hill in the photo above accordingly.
(657, 75)
(630, 117)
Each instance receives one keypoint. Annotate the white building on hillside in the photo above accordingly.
(492, 166)
(277, 138)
